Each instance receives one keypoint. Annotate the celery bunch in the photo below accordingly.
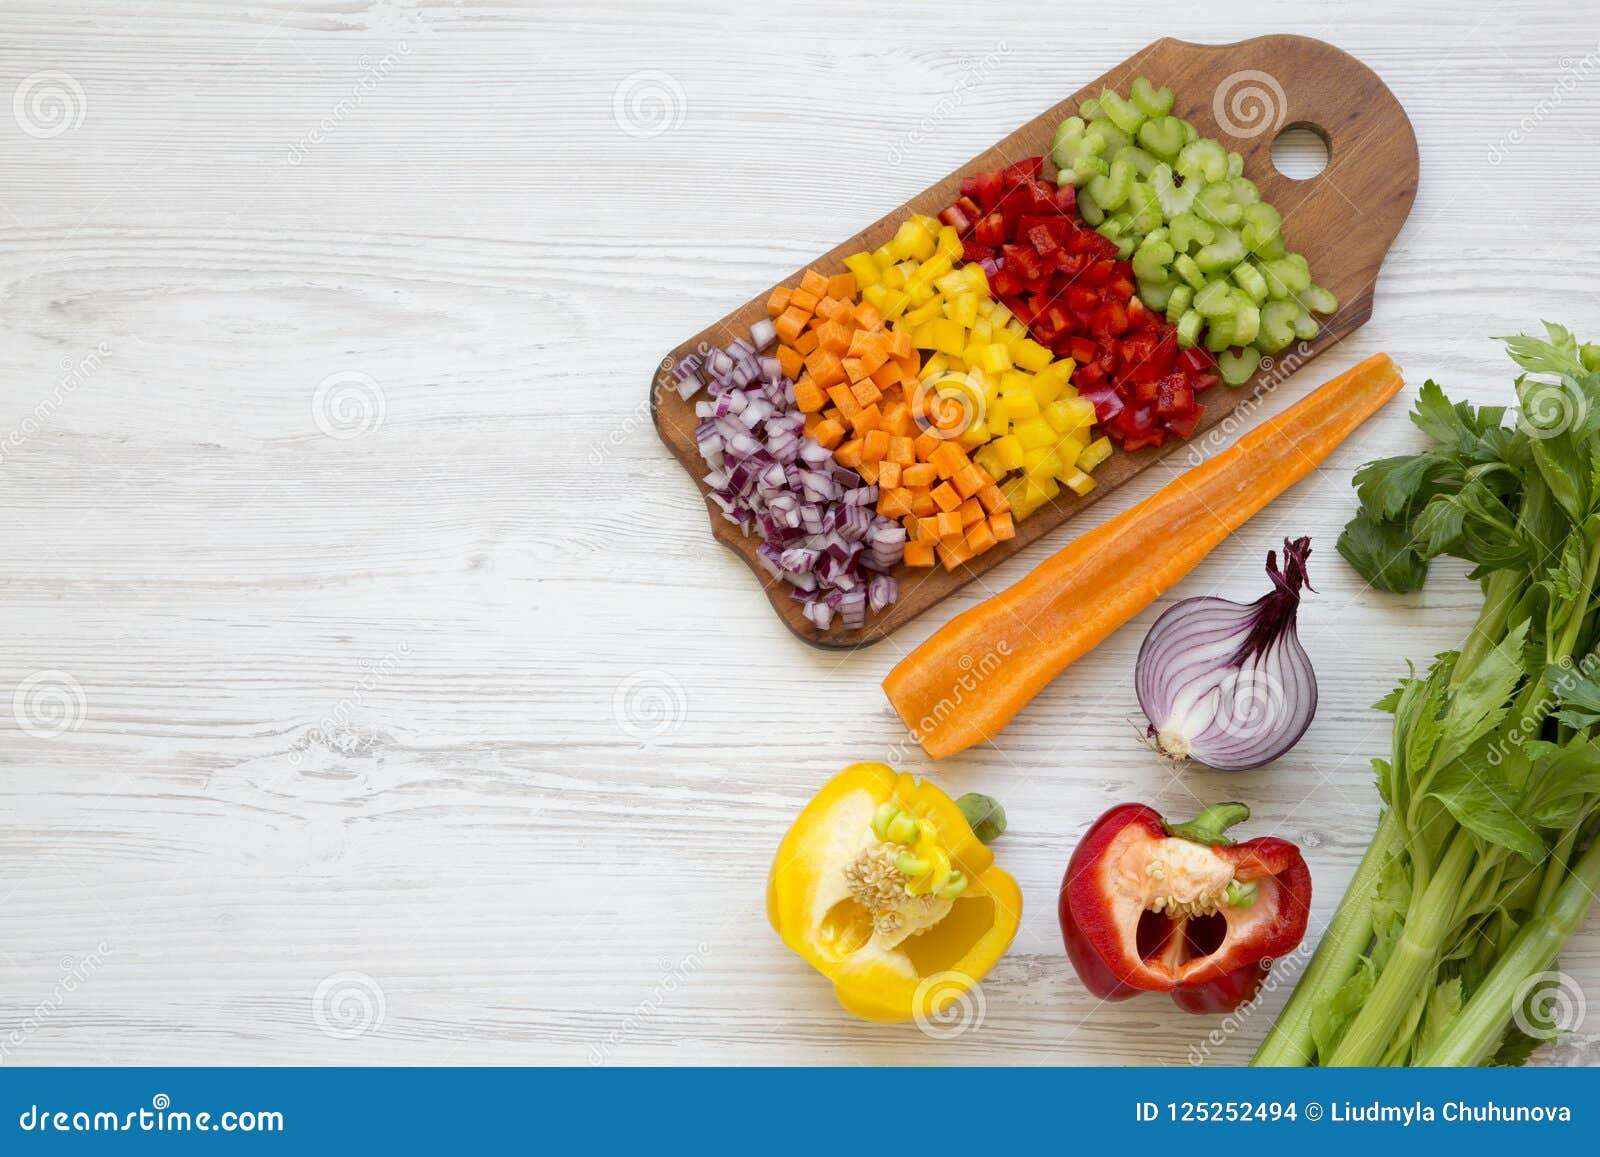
(1485, 860)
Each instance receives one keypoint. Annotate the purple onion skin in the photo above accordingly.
(1174, 659)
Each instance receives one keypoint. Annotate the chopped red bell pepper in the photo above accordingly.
(1148, 906)
(1065, 282)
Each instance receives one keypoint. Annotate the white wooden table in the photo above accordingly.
(376, 693)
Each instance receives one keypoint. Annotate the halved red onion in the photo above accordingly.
(1226, 684)
(818, 523)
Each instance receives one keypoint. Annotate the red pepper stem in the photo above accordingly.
(1210, 826)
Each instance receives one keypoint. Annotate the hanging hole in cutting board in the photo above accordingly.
(1300, 152)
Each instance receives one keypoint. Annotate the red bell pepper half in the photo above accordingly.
(1148, 906)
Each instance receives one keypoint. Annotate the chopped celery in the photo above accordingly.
(1189, 329)
(1248, 278)
(1137, 159)
(1224, 252)
(1126, 115)
(1185, 268)
(1178, 302)
(1305, 326)
(1156, 294)
(1109, 136)
(1215, 299)
(1215, 204)
(1151, 260)
(1261, 224)
(1090, 110)
(1319, 300)
(1203, 158)
(1287, 276)
(1219, 333)
(1152, 101)
(1175, 198)
(1246, 321)
(1111, 190)
(1088, 209)
(1245, 191)
(1277, 325)
(1145, 208)
(1238, 368)
(1187, 230)
(1235, 165)
(1163, 136)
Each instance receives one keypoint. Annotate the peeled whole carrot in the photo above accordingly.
(966, 682)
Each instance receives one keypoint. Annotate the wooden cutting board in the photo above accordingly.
(1344, 220)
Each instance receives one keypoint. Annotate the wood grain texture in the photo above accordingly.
(469, 703)
(1343, 220)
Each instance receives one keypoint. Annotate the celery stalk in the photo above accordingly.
(1288, 1043)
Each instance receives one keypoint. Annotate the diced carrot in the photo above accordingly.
(845, 400)
(953, 556)
(921, 474)
(809, 398)
(870, 419)
(947, 458)
(894, 502)
(886, 377)
(1002, 526)
(779, 301)
(966, 481)
(829, 432)
(790, 323)
(868, 471)
(980, 538)
(854, 372)
(874, 445)
(874, 359)
(803, 298)
(919, 554)
(922, 503)
(861, 341)
(848, 454)
(867, 315)
(842, 285)
(825, 367)
(949, 525)
(900, 450)
(994, 501)
(790, 362)
(900, 345)
(925, 446)
(806, 342)
(833, 337)
(814, 283)
(866, 393)
(971, 512)
(889, 475)
(944, 495)
(927, 528)
(831, 308)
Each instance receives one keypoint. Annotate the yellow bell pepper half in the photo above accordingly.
(883, 886)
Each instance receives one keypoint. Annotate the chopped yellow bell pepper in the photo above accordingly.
(884, 887)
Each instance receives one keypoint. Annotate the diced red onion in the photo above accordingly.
(819, 529)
